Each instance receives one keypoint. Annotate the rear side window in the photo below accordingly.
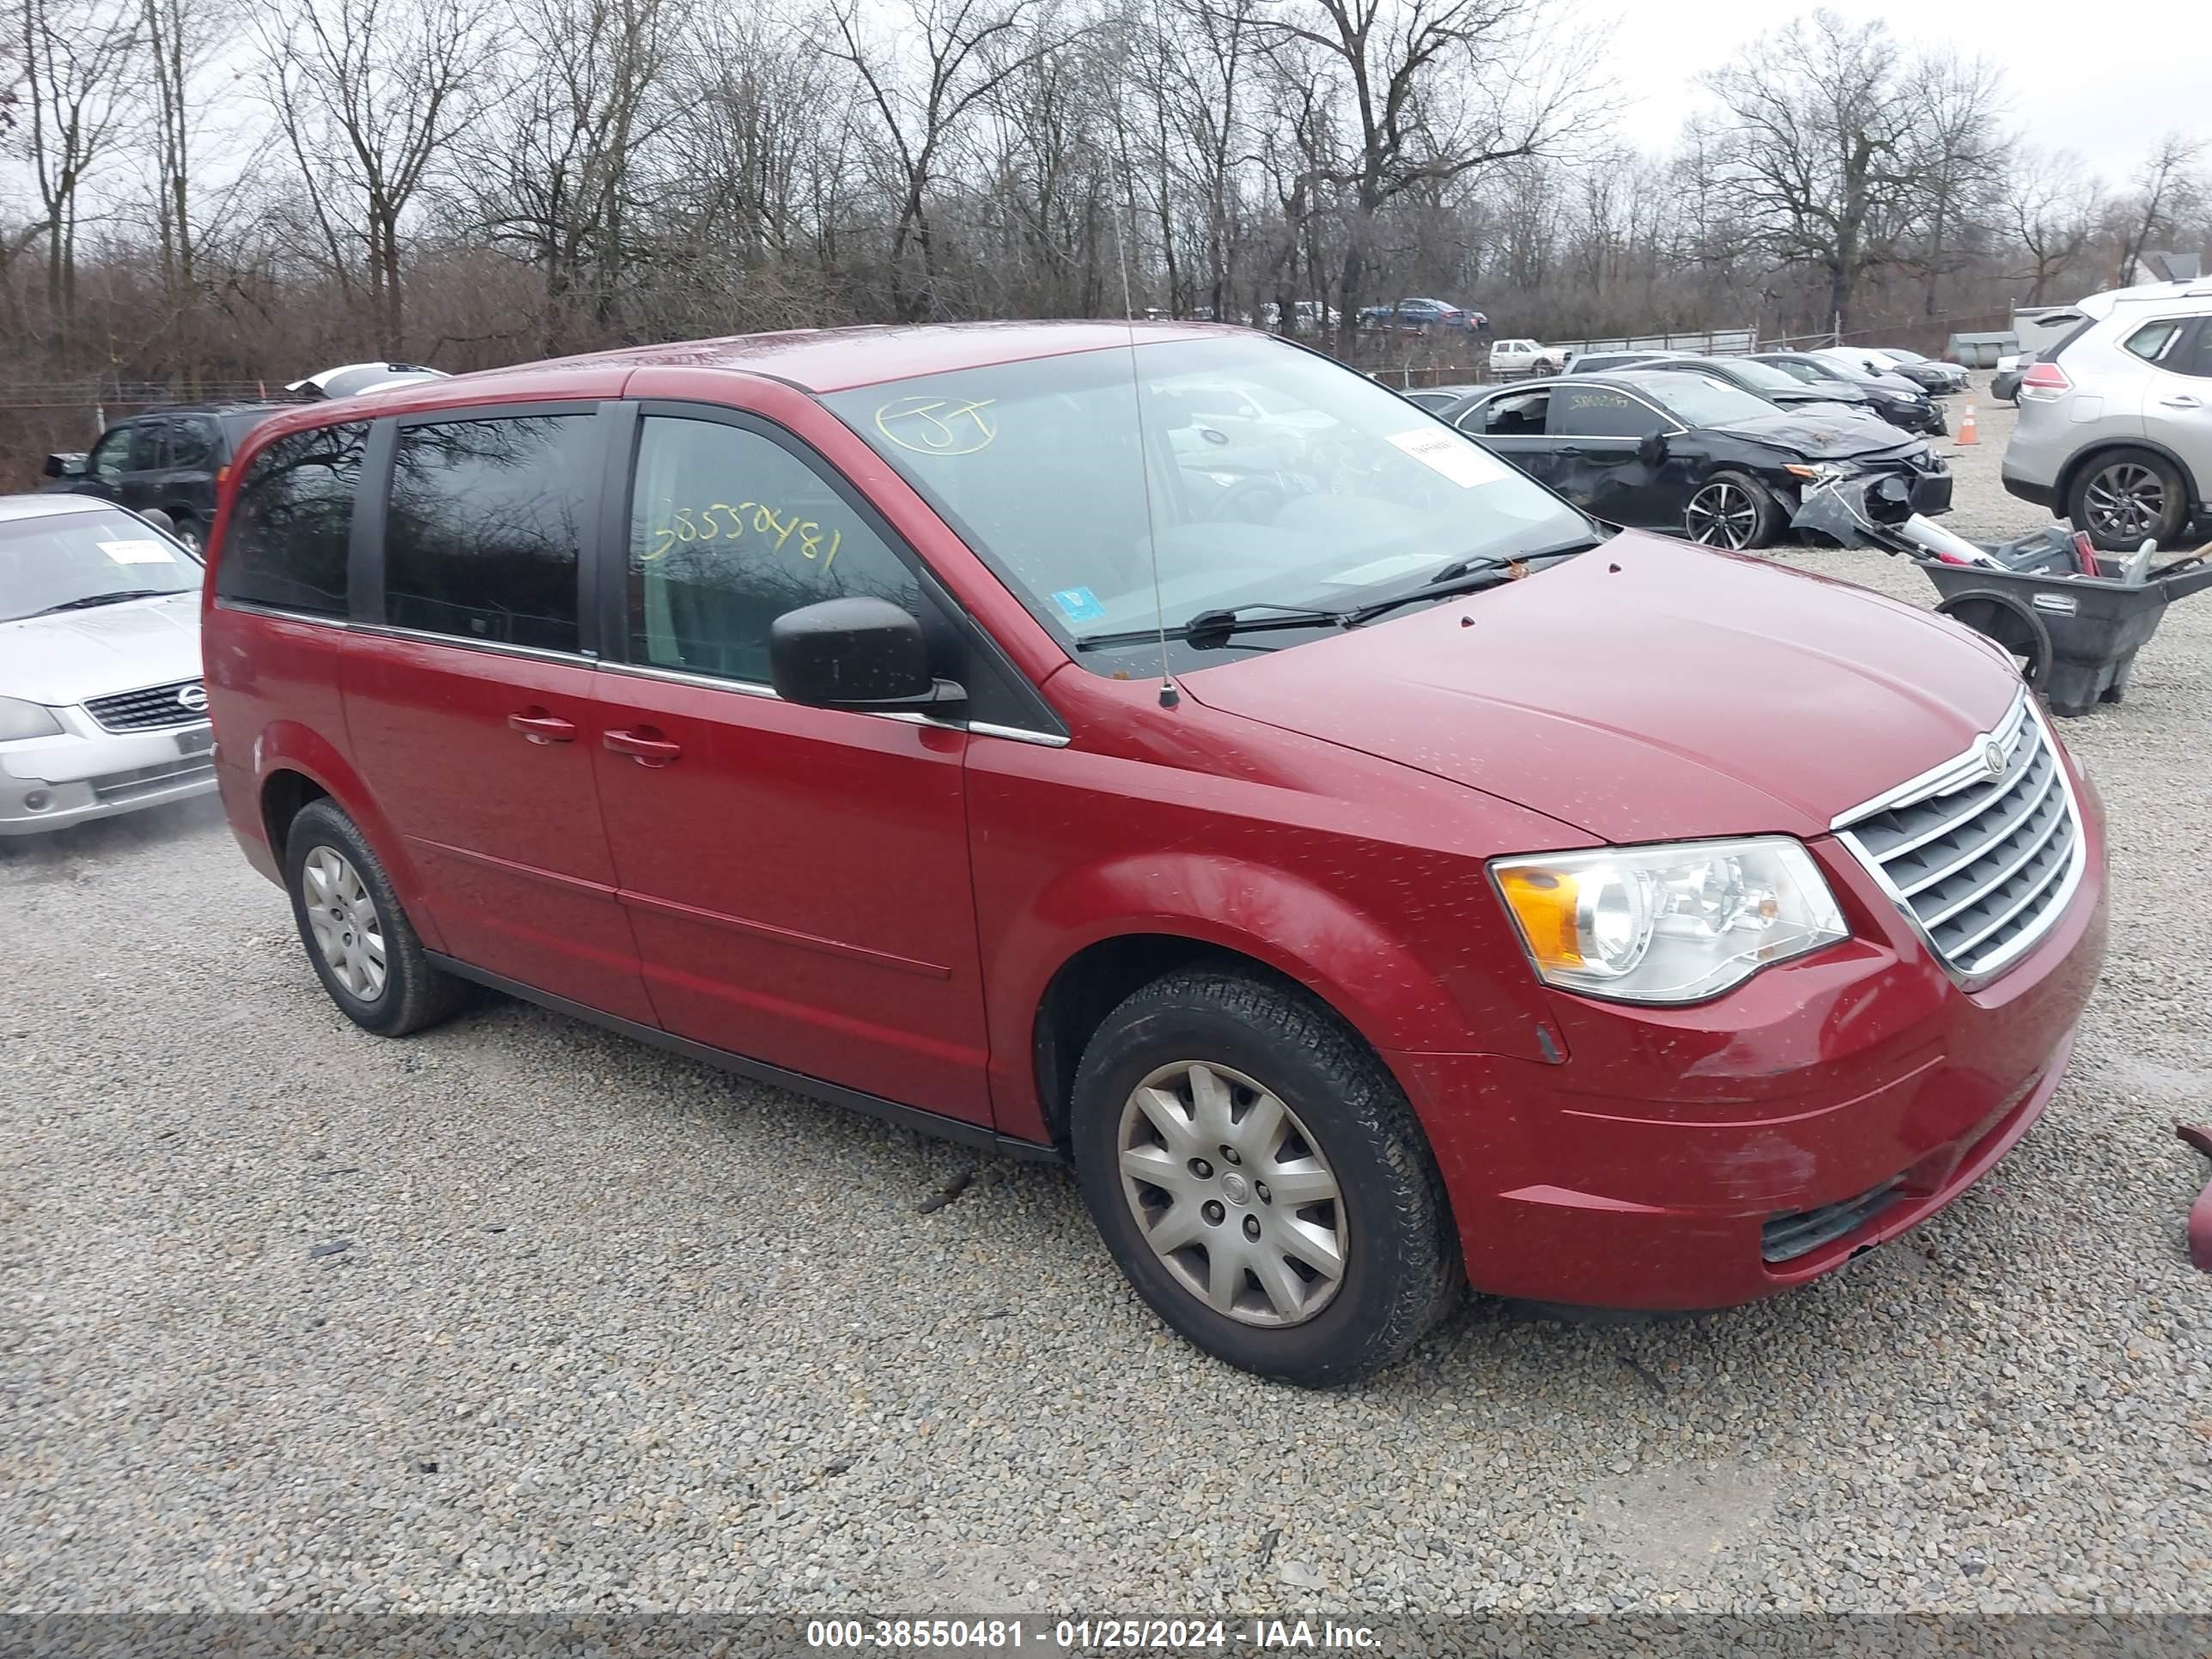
(1601, 412)
(728, 531)
(292, 520)
(484, 526)
(2153, 340)
(191, 445)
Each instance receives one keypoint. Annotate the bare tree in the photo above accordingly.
(369, 96)
(2166, 185)
(78, 63)
(553, 175)
(1438, 88)
(1818, 160)
(2051, 210)
(963, 50)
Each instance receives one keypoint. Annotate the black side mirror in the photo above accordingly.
(65, 466)
(1651, 448)
(855, 654)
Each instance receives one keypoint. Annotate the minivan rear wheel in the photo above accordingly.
(1259, 1176)
(357, 937)
(2128, 496)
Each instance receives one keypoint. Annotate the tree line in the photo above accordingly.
(218, 190)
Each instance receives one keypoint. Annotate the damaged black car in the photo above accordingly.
(1688, 454)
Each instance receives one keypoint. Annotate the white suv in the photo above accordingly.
(2115, 428)
(1526, 357)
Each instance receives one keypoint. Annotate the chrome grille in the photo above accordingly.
(1984, 863)
(155, 706)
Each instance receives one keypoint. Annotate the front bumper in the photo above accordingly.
(1822, 1107)
(86, 773)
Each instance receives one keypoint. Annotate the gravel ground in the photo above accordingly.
(520, 1315)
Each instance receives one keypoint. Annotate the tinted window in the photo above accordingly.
(1601, 412)
(192, 444)
(286, 543)
(1516, 416)
(2194, 355)
(728, 531)
(483, 528)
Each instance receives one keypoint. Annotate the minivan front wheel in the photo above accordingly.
(1260, 1178)
(2130, 496)
(357, 937)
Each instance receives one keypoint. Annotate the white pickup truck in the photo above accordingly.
(1526, 357)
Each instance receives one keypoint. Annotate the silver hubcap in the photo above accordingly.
(2126, 502)
(1232, 1193)
(1721, 515)
(344, 919)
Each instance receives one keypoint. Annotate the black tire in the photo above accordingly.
(1401, 1265)
(1728, 505)
(413, 993)
(2013, 626)
(2126, 497)
(190, 533)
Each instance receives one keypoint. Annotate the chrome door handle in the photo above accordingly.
(2181, 400)
(539, 726)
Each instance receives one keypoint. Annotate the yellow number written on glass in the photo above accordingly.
(778, 526)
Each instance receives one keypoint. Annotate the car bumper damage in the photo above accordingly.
(1699, 1157)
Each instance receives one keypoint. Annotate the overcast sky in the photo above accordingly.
(2103, 81)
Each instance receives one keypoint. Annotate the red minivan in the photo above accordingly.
(1166, 749)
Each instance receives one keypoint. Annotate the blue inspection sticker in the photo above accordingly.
(1078, 604)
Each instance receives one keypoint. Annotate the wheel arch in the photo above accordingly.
(293, 766)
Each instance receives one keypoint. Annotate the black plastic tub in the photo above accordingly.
(2076, 635)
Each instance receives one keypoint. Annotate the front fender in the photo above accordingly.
(1346, 956)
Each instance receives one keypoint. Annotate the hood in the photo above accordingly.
(61, 660)
(1821, 434)
(1647, 690)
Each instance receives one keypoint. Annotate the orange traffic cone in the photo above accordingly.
(1967, 434)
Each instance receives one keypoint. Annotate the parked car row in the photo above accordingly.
(1422, 316)
(1708, 449)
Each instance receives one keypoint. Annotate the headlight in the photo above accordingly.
(1670, 923)
(26, 720)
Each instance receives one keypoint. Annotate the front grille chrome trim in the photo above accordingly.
(149, 708)
(2029, 745)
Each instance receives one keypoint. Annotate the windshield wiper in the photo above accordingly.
(1208, 627)
(91, 599)
(1469, 576)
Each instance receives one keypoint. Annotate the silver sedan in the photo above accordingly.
(101, 708)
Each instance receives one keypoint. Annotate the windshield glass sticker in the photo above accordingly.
(138, 549)
(1078, 604)
(938, 426)
(1447, 452)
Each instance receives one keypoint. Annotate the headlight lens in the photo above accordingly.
(1672, 923)
(26, 720)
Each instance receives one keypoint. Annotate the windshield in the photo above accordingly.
(69, 559)
(1899, 355)
(1319, 489)
(1695, 400)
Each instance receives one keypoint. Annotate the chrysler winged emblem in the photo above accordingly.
(1993, 759)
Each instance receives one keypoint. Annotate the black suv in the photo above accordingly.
(166, 458)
